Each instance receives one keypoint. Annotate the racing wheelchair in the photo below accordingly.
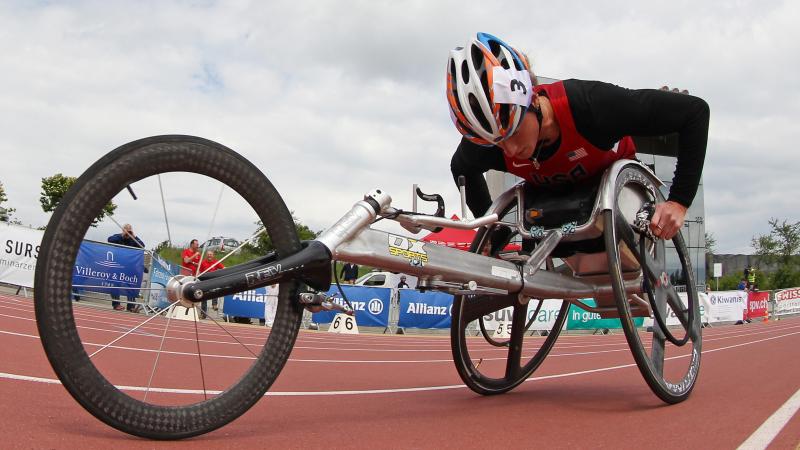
(589, 243)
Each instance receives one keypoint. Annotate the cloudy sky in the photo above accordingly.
(332, 99)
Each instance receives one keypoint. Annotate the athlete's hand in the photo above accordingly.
(667, 220)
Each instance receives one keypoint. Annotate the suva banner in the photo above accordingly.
(545, 319)
(580, 319)
(19, 248)
(107, 265)
(787, 301)
(160, 274)
(424, 310)
(246, 304)
(371, 305)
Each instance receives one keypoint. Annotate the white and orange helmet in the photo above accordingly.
(489, 89)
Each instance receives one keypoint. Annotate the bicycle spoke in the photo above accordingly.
(117, 287)
(210, 228)
(247, 241)
(164, 208)
(657, 349)
(232, 336)
(200, 358)
(132, 330)
(513, 365)
(479, 306)
(158, 355)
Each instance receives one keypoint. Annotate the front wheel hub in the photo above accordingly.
(176, 287)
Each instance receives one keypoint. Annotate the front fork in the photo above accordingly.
(311, 265)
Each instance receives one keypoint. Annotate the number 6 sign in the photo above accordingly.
(344, 324)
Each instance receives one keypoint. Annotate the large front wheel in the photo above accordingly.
(667, 352)
(155, 375)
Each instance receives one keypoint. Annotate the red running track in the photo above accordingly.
(381, 391)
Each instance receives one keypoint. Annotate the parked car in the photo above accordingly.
(385, 279)
(221, 244)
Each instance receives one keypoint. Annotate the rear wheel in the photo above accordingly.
(509, 347)
(668, 355)
(153, 375)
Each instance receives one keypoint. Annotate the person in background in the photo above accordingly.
(402, 283)
(349, 273)
(210, 264)
(742, 285)
(129, 239)
(190, 258)
(751, 279)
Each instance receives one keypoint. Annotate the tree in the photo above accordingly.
(711, 242)
(264, 242)
(780, 247)
(6, 214)
(53, 190)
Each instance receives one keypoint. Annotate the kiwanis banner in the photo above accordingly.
(371, 305)
(246, 304)
(107, 265)
(160, 273)
(727, 306)
(19, 248)
(787, 301)
(424, 310)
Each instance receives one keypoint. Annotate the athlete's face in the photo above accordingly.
(522, 143)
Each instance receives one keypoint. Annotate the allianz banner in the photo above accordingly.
(160, 274)
(107, 265)
(424, 310)
(371, 305)
(246, 304)
(19, 248)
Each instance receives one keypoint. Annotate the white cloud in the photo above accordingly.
(331, 99)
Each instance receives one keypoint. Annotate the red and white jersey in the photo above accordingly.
(576, 159)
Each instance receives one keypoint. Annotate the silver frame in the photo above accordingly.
(458, 272)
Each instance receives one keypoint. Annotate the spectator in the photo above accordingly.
(129, 239)
(742, 285)
(210, 264)
(402, 283)
(190, 258)
(751, 279)
(349, 273)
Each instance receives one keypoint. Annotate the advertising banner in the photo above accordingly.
(246, 304)
(545, 319)
(371, 305)
(757, 304)
(727, 306)
(580, 319)
(787, 301)
(106, 265)
(160, 274)
(672, 319)
(19, 248)
(424, 309)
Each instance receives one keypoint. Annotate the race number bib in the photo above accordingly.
(512, 86)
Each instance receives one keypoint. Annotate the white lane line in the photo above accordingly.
(767, 432)
(383, 391)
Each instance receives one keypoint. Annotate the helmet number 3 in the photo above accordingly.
(516, 84)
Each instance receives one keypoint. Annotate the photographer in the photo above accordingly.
(127, 238)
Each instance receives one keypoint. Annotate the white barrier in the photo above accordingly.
(727, 306)
(787, 301)
(19, 248)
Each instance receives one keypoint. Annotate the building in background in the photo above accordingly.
(653, 152)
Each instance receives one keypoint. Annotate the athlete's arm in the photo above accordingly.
(472, 161)
(604, 113)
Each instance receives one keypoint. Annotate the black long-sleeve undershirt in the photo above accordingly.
(604, 114)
